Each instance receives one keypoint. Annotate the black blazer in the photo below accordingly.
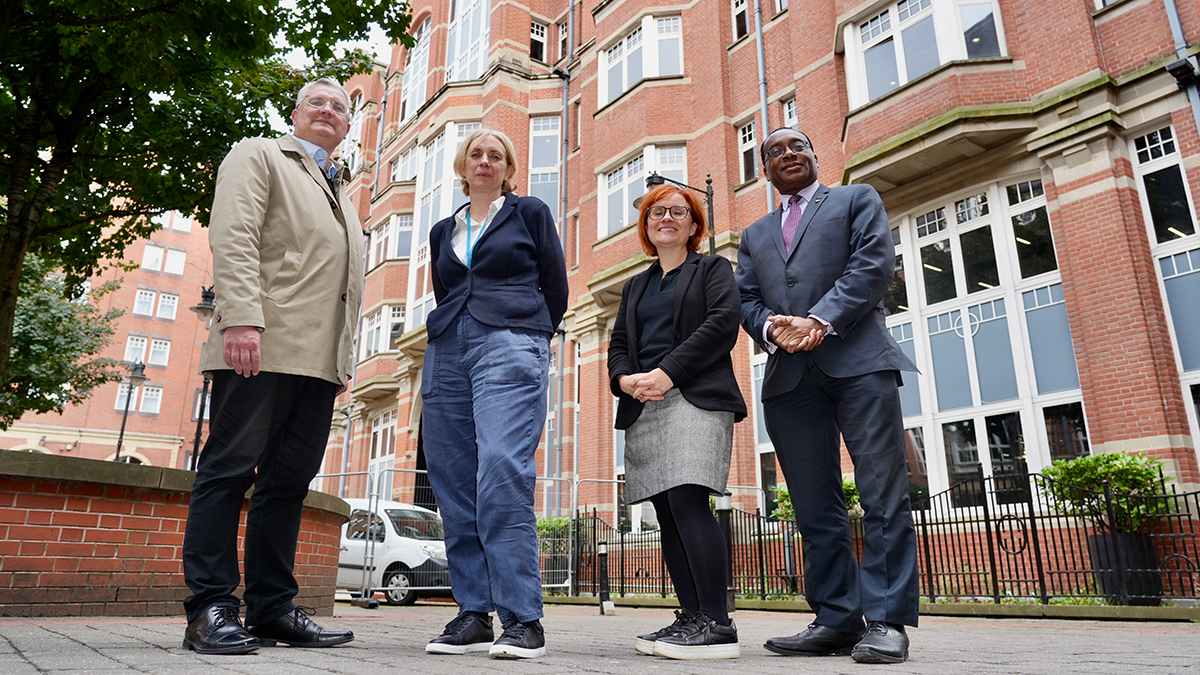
(707, 307)
(518, 278)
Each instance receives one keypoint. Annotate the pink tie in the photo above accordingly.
(793, 220)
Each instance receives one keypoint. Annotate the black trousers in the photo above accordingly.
(268, 431)
(805, 425)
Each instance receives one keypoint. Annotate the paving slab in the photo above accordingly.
(579, 640)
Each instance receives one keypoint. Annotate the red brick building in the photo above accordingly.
(1040, 166)
(156, 329)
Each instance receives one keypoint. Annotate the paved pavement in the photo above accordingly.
(579, 640)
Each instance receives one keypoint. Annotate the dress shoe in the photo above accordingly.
(295, 630)
(218, 631)
(883, 643)
(818, 640)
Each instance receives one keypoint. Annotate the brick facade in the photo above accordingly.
(80, 537)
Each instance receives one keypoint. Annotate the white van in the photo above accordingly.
(409, 551)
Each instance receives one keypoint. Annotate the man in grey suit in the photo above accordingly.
(812, 275)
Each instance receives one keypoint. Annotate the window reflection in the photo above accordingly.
(1066, 431)
(1035, 247)
(937, 266)
(979, 259)
(962, 462)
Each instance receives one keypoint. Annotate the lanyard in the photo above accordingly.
(470, 245)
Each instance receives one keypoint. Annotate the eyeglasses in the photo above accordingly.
(677, 212)
(797, 147)
(318, 102)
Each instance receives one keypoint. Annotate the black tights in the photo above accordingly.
(694, 549)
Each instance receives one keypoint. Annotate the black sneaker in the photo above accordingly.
(520, 641)
(645, 643)
(467, 632)
(702, 639)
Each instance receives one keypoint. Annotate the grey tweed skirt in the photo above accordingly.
(675, 443)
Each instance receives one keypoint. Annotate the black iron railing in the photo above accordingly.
(1010, 538)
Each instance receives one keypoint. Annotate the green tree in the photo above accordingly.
(116, 110)
(55, 340)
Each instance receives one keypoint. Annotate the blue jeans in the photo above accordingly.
(484, 392)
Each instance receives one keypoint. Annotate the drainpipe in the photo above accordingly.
(762, 89)
(1192, 88)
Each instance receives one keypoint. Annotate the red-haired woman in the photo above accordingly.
(669, 364)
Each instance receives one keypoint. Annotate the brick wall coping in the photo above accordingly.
(57, 467)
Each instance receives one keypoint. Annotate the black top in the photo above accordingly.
(655, 331)
(703, 318)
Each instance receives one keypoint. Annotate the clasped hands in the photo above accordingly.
(651, 386)
(796, 334)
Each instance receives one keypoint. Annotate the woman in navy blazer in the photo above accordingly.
(500, 282)
(669, 364)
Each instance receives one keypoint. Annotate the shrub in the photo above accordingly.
(1134, 481)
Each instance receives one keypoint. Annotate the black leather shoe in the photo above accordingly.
(883, 643)
(218, 631)
(295, 630)
(818, 640)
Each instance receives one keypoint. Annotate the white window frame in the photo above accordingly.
(404, 168)
(151, 400)
(372, 334)
(152, 257)
(948, 29)
(740, 8)
(413, 91)
(350, 149)
(564, 34)
(747, 152)
(467, 41)
(135, 349)
(124, 390)
(143, 302)
(168, 305)
(402, 225)
(1152, 164)
(537, 38)
(543, 127)
(175, 261)
(160, 352)
(382, 245)
(791, 116)
(650, 36)
(650, 159)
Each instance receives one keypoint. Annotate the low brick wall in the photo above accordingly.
(81, 537)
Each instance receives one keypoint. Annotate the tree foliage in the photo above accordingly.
(55, 340)
(117, 110)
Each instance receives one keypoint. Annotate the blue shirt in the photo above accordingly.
(321, 155)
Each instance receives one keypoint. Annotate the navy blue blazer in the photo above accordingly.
(839, 268)
(705, 326)
(518, 276)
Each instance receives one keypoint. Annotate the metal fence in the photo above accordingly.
(1008, 538)
(1003, 539)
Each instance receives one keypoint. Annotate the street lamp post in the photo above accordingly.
(204, 310)
(655, 179)
(137, 376)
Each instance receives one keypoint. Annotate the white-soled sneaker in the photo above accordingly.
(703, 639)
(520, 641)
(645, 643)
(467, 632)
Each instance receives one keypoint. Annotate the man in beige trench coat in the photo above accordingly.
(288, 269)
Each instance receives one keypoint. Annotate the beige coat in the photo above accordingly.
(287, 259)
